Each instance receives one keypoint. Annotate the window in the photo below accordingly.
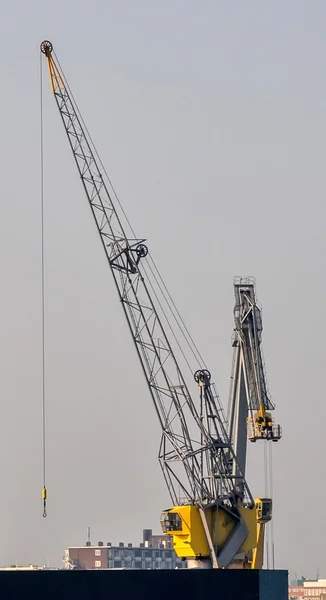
(97, 552)
(171, 522)
(98, 563)
(117, 564)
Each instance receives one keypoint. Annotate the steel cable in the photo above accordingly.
(166, 296)
(44, 491)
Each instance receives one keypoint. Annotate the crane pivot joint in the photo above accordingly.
(202, 377)
(46, 47)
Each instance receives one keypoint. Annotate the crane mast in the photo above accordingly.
(195, 449)
(249, 401)
(250, 405)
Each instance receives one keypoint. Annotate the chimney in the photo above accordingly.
(88, 543)
(147, 536)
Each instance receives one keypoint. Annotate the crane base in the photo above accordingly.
(193, 563)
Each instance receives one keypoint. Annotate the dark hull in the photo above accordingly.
(154, 585)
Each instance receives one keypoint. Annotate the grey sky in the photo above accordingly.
(210, 118)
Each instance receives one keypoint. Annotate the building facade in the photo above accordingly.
(309, 589)
(155, 552)
(296, 592)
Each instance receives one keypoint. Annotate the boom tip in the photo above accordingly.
(46, 47)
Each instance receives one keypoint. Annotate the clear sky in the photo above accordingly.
(210, 119)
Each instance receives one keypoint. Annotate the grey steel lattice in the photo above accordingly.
(249, 327)
(205, 477)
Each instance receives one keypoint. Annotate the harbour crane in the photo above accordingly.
(214, 517)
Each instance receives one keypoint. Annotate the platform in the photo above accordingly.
(145, 585)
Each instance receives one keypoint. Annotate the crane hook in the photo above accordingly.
(44, 496)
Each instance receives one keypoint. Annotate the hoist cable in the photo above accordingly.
(166, 295)
(44, 491)
(271, 495)
(194, 347)
(269, 492)
(192, 350)
(168, 323)
(266, 496)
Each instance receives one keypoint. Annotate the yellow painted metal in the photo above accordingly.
(189, 539)
(263, 509)
(259, 423)
(258, 554)
(263, 516)
(56, 80)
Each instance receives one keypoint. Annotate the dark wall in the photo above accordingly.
(151, 585)
(273, 587)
